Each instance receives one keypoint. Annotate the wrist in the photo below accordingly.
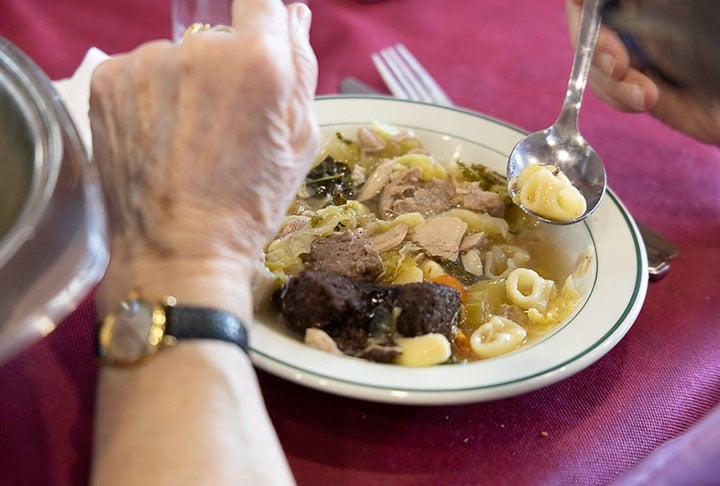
(222, 283)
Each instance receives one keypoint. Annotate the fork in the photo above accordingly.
(406, 78)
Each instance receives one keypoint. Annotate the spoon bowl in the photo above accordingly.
(572, 155)
(561, 147)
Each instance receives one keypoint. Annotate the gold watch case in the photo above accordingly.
(134, 330)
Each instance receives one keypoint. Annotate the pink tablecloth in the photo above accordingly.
(509, 60)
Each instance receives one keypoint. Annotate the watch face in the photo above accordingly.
(132, 332)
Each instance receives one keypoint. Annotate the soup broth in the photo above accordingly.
(449, 222)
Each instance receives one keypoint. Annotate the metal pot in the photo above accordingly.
(53, 245)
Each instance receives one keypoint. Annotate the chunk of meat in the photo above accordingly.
(363, 317)
(376, 182)
(406, 193)
(427, 307)
(389, 239)
(474, 240)
(370, 141)
(320, 299)
(440, 236)
(470, 195)
(348, 254)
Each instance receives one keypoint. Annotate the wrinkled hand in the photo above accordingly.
(201, 145)
(618, 82)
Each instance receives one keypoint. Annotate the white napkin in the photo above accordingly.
(75, 93)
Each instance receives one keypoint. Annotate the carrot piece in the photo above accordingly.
(462, 342)
(451, 281)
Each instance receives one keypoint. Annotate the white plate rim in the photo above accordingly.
(349, 377)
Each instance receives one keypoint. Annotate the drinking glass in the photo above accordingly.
(187, 12)
(213, 12)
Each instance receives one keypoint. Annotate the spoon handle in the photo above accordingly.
(587, 36)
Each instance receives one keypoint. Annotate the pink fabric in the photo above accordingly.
(509, 60)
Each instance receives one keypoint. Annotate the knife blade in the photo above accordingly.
(351, 85)
(659, 251)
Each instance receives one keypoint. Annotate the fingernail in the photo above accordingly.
(637, 97)
(606, 62)
(303, 15)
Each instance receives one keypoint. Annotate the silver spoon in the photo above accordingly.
(561, 145)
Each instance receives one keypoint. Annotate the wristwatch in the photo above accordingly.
(137, 328)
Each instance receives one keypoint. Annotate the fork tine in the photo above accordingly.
(436, 92)
(406, 77)
(402, 74)
(388, 77)
(398, 76)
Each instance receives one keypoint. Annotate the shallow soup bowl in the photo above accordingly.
(612, 286)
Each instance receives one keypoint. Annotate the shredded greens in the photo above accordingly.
(331, 179)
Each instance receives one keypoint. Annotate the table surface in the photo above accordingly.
(509, 60)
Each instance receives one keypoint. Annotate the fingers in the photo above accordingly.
(614, 79)
(612, 76)
(611, 56)
(689, 112)
(634, 93)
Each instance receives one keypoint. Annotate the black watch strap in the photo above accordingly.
(185, 322)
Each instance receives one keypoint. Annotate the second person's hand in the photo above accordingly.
(616, 80)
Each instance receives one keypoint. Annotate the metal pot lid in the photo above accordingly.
(31, 147)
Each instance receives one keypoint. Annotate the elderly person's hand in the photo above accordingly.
(201, 147)
(615, 79)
